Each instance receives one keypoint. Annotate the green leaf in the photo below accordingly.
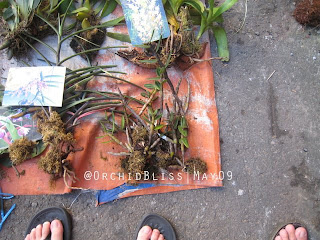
(159, 127)
(4, 4)
(53, 3)
(113, 22)
(113, 122)
(157, 85)
(81, 9)
(99, 7)
(155, 78)
(87, 4)
(151, 61)
(183, 131)
(75, 103)
(85, 24)
(35, 3)
(158, 116)
(171, 16)
(109, 7)
(63, 8)
(150, 86)
(221, 9)
(119, 36)
(183, 122)
(145, 94)
(10, 127)
(222, 42)
(8, 13)
(184, 141)
(123, 122)
(196, 4)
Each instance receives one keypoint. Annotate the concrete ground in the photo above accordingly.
(269, 140)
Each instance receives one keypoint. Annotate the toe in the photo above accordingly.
(301, 233)
(161, 237)
(144, 233)
(284, 234)
(27, 237)
(155, 234)
(56, 230)
(39, 232)
(291, 230)
(33, 234)
(45, 230)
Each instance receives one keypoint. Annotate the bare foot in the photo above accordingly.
(290, 233)
(146, 233)
(43, 230)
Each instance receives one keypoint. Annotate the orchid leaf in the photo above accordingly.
(222, 42)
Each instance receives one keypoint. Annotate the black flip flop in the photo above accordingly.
(157, 222)
(295, 224)
(50, 214)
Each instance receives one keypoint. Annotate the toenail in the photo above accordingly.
(302, 234)
(55, 224)
(146, 230)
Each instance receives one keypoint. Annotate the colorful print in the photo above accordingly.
(146, 20)
(34, 86)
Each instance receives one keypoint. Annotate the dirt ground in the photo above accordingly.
(269, 129)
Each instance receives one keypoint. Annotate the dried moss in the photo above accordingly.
(190, 45)
(51, 162)
(139, 134)
(308, 13)
(136, 163)
(21, 150)
(163, 159)
(196, 165)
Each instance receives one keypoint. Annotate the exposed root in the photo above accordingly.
(60, 145)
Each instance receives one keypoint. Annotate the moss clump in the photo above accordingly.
(308, 13)
(136, 162)
(139, 134)
(196, 165)
(190, 45)
(21, 150)
(163, 159)
(53, 133)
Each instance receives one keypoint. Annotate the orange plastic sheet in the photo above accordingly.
(98, 170)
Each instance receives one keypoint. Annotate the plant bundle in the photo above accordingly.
(154, 143)
(22, 26)
(183, 45)
(90, 14)
(56, 124)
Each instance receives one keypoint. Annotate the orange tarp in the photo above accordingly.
(103, 169)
